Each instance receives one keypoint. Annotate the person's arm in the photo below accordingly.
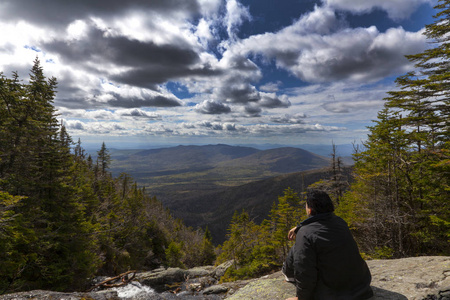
(293, 232)
(305, 267)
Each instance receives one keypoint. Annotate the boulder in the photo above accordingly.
(415, 278)
(220, 270)
(162, 278)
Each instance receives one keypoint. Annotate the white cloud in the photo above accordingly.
(358, 54)
(236, 15)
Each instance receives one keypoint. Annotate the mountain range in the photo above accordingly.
(205, 185)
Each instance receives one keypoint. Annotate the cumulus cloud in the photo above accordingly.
(212, 107)
(271, 100)
(137, 63)
(358, 54)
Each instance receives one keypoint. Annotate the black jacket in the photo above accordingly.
(327, 263)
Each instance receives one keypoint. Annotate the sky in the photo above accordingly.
(140, 73)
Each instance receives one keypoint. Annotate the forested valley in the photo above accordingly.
(64, 218)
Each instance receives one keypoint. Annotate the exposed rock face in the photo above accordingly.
(412, 278)
(415, 278)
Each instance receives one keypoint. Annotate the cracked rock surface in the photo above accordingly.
(415, 278)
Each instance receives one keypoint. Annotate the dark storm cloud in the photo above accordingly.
(54, 12)
(212, 107)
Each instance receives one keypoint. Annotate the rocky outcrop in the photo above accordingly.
(416, 278)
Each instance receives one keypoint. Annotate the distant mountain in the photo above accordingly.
(214, 165)
(174, 160)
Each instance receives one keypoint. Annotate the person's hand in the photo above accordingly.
(292, 234)
(295, 298)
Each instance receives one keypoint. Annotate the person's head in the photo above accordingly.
(318, 202)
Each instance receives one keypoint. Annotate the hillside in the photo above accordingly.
(205, 185)
(215, 208)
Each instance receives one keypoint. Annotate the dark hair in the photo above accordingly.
(319, 202)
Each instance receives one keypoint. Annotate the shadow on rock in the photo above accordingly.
(385, 294)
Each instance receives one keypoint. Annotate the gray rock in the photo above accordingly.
(158, 278)
(415, 278)
(201, 272)
(221, 269)
(215, 289)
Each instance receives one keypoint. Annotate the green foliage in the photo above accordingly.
(379, 253)
(12, 238)
(174, 255)
(207, 251)
(259, 249)
(400, 198)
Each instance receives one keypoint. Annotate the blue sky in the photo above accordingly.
(143, 73)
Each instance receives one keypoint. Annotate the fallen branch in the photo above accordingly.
(112, 282)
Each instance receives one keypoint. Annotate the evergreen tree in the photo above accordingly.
(207, 253)
(287, 213)
(259, 249)
(403, 175)
(37, 163)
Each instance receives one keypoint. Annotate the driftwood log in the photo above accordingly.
(117, 281)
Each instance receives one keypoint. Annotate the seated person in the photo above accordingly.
(325, 262)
